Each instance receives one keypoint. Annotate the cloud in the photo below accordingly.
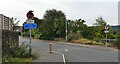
(74, 9)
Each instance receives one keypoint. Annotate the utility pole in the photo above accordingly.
(66, 30)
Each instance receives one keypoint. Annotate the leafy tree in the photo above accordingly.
(46, 31)
(38, 21)
(88, 33)
(99, 27)
(79, 25)
(76, 25)
(56, 21)
(100, 21)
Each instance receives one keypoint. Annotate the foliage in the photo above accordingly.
(27, 33)
(15, 22)
(86, 41)
(10, 59)
(74, 36)
(55, 20)
(53, 26)
(22, 52)
(88, 33)
(116, 44)
(100, 21)
(46, 31)
(99, 30)
(35, 33)
(76, 25)
(60, 39)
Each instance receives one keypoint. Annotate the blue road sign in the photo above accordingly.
(30, 26)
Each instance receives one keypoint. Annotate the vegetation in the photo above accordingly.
(20, 54)
(15, 23)
(10, 59)
(52, 27)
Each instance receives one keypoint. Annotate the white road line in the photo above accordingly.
(66, 50)
(62, 55)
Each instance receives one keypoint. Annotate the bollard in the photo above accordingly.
(50, 48)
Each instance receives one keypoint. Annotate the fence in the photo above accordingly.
(113, 42)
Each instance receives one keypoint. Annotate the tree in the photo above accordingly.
(99, 34)
(88, 33)
(46, 31)
(15, 23)
(79, 25)
(38, 21)
(99, 28)
(100, 21)
(76, 25)
(56, 21)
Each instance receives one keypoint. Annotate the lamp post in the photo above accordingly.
(66, 30)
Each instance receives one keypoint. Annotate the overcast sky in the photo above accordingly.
(88, 10)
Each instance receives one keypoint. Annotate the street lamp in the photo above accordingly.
(66, 30)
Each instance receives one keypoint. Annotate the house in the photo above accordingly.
(6, 22)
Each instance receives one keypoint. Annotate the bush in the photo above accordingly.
(37, 36)
(74, 36)
(59, 39)
(115, 44)
(22, 52)
(34, 56)
(26, 33)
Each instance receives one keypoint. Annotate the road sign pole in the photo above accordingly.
(106, 40)
(30, 43)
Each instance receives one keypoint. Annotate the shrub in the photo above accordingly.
(74, 36)
(22, 52)
(59, 39)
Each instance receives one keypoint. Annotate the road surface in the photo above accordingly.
(75, 53)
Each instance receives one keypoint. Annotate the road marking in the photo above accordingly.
(62, 55)
(66, 50)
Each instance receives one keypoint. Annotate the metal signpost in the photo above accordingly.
(30, 25)
(106, 31)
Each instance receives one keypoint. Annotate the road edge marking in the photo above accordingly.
(62, 56)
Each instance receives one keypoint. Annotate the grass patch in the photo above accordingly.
(10, 59)
(86, 41)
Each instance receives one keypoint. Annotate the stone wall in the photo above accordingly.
(10, 40)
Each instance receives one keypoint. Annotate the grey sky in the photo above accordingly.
(88, 10)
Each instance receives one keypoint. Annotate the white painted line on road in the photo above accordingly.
(62, 55)
(66, 50)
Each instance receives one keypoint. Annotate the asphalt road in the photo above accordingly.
(75, 53)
